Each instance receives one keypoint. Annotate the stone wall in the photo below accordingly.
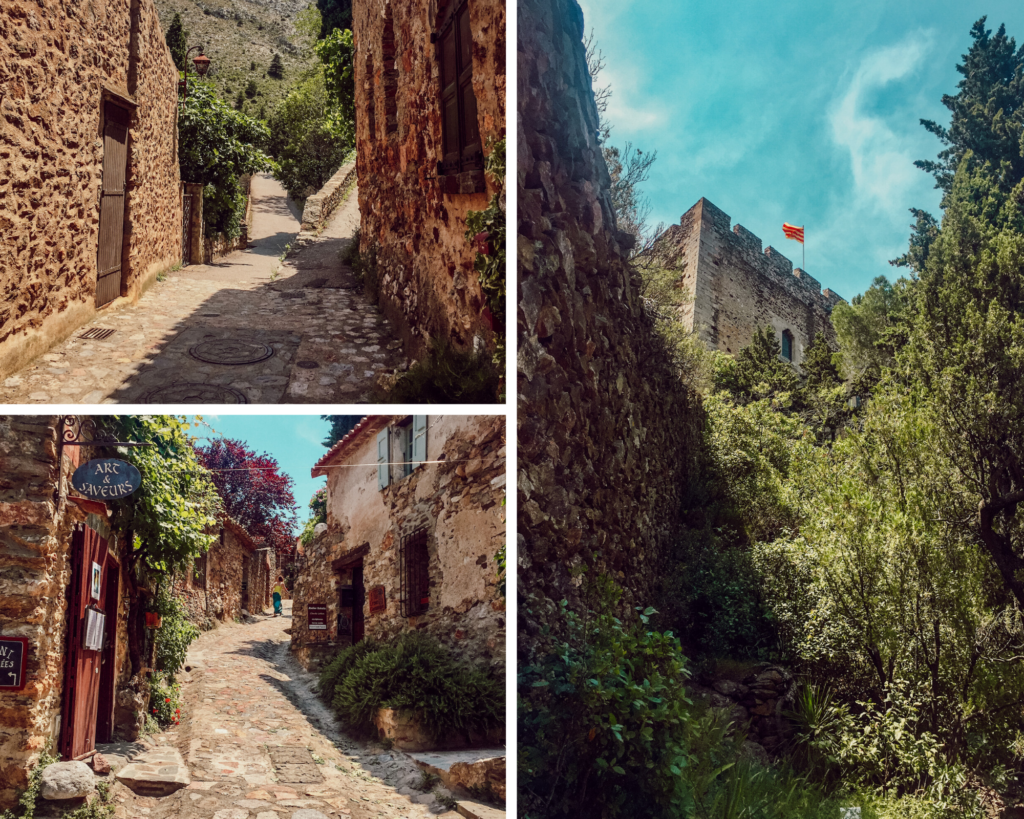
(36, 520)
(428, 287)
(319, 207)
(608, 436)
(754, 699)
(737, 289)
(456, 502)
(59, 63)
(224, 571)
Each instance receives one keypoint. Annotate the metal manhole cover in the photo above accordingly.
(307, 364)
(231, 351)
(191, 393)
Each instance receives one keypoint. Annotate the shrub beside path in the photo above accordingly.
(252, 726)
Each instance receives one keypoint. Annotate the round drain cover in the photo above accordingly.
(307, 365)
(185, 392)
(230, 351)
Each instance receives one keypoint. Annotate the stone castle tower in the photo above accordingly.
(737, 288)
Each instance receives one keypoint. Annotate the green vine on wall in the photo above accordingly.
(486, 230)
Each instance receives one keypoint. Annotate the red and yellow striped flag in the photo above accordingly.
(793, 232)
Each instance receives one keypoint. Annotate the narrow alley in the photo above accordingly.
(249, 328)
(259, 743)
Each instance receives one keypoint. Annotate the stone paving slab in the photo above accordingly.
(252, 711)
(156, 772)
(343, 338)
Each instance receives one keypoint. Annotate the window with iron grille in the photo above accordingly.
(460, 134)
(787, 345)
(414, 561)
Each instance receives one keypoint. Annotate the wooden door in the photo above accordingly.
(108, 661)
(359, 595)
(83, 667)
(115, 166)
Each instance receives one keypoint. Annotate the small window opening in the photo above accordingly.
(787, 345)
(415, 582)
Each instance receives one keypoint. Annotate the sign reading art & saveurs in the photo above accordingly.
(13, 653)
(106, 479)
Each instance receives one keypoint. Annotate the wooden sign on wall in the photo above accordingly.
(316, 617)
(377, 601)
(13, 655)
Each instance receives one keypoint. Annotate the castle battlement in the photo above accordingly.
(739, 285)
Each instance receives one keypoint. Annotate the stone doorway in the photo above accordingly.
(112, 195)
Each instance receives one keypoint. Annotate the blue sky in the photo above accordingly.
(793, 111)
(293, 440)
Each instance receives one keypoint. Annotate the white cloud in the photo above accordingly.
(310, 430)
(881, 159)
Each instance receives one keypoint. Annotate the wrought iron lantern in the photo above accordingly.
(202, 64)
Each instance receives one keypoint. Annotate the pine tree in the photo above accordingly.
(276, 69)
(341, 425)
(240, 102)
(177, 41)
(250, 89)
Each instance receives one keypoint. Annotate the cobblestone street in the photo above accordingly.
(258, 743)
(246, 329)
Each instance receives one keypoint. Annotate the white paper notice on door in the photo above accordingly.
(94, 630)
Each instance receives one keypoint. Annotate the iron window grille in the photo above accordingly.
(787, 345)
(414, 585)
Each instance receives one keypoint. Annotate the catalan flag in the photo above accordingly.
(793, 232)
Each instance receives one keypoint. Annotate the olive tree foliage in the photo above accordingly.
(874, 590)
(170, 517)
(217, 145)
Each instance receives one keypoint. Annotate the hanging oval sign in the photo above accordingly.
(106, 479)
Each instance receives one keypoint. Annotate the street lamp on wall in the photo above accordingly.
(202, 64)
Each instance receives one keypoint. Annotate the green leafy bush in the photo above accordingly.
(447, 376)
(217, 145)
(175, 634)
(344, 661)
(165, 700)
(417, 673)
(602, 721)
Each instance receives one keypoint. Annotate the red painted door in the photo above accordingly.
(83, 669)
(359, 595)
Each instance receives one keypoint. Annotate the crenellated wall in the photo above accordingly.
(736, 288)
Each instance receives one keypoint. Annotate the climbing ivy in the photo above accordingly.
(486, 229)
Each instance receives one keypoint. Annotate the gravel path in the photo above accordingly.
(246, 329)
(259, 744)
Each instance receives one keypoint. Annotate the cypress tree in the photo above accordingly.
(276, 69)
(177, 41)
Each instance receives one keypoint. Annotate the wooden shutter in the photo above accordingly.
(471, 151)
(383, 453)
(419, 440)
(450, 101)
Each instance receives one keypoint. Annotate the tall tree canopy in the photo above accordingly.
(341, 425)
(177, 41)
(334, 14)
(254, 490)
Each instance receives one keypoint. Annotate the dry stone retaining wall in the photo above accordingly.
(59, 63)
(321, 205)
(607, 435)
(428, 286)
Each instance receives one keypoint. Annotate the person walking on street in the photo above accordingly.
(278, 594)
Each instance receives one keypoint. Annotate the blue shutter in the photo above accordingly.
(383, 456)
(419, 440)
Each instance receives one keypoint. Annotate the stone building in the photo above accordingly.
(414, 522)
(735, 288)
(90, 199)
(231, 576)
(608, 437)
(430, 97)
(60, 567)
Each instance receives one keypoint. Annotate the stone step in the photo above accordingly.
(158, 772)
(478, 810)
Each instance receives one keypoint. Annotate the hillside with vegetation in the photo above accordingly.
(242, 39)
(857, 523)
